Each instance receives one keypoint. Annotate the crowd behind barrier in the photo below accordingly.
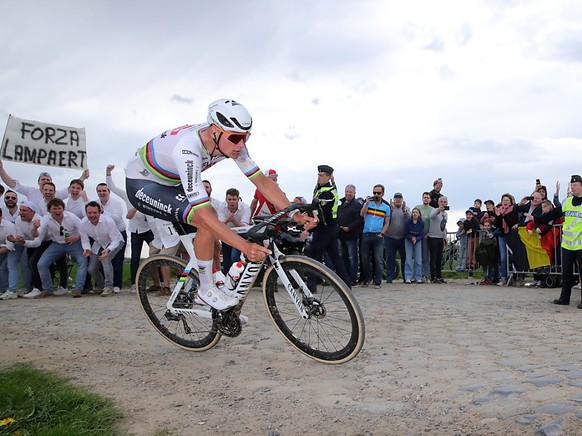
(518, 251)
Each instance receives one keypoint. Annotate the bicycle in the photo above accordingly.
(324, 322)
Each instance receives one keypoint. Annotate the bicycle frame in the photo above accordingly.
(246, 282)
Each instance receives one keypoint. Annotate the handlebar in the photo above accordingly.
(264, 229)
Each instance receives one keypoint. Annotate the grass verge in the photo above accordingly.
(35, 402)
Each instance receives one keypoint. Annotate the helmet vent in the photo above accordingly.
(223, 120)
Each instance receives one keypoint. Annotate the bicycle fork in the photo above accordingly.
(295, 297)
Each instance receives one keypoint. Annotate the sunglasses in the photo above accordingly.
(10, 198)
(62, 231)
(377, 193)
(235, 138)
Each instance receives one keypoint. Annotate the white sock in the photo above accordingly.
(205, 273)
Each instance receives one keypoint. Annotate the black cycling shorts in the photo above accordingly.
(164, 202)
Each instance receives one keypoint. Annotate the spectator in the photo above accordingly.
(471, 228)
(437, 238)
(10, 209)
(435, 194)
(114, 208)
(350, 226)
(394, 240)
(24, 225)
(571, 211)
(506, 219)
(141, 228)
(326, 233)
(48, 193)
(489, 212)
(461, 236)
(8, 261)
(61, 228)
(108, 241)
(75, 202)
(234, 213)
(11, 212)
(487, 253)
(414, 236)
(476, 209)
(376, 216)
(259, 205)
(425, 210)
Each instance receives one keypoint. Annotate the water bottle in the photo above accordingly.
(219, 279)
(234, 275)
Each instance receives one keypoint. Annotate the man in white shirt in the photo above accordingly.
(141, 229)
(234, 213)
(77, 198)
(8, 261)
(108, 242)
(114, 208)
(11, 212)
(62, 228)
(10, 208)
(24, 224)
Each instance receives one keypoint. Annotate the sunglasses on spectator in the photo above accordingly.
(62, 231)
(377, 193)
(9, 198)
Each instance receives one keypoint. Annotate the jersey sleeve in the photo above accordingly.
(247, 165)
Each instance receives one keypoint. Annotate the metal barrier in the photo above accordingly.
(517, 261)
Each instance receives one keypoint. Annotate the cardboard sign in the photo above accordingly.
(33, 142)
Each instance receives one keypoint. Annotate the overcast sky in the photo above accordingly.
(485, 94)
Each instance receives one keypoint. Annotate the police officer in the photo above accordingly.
(325, 236)
(571, 210)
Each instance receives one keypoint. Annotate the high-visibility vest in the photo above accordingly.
(333, 189)
(572, 227)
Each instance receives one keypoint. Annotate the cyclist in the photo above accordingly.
(164, 180)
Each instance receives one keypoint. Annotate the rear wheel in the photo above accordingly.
(334, 331)
(190, 331)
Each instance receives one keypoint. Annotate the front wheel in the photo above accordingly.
(334, 331)
(191, 330)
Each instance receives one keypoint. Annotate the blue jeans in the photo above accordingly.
(413, 251)
(393, 246)
(53, 253)
(22, 259)
(9, 271)
(502, 240)
(349, 252)
(371, 241)
(462, 259)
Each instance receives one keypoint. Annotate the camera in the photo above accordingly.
(447, 208)
(529, 198)
(374, 198)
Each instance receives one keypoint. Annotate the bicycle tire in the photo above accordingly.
(202, 334)
(335, 337)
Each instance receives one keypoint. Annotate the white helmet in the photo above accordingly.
(230, 116)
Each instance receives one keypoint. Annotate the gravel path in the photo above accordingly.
(438, 359)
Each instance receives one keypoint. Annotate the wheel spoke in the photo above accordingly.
(191, 331)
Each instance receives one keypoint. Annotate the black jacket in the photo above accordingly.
(348, 215)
